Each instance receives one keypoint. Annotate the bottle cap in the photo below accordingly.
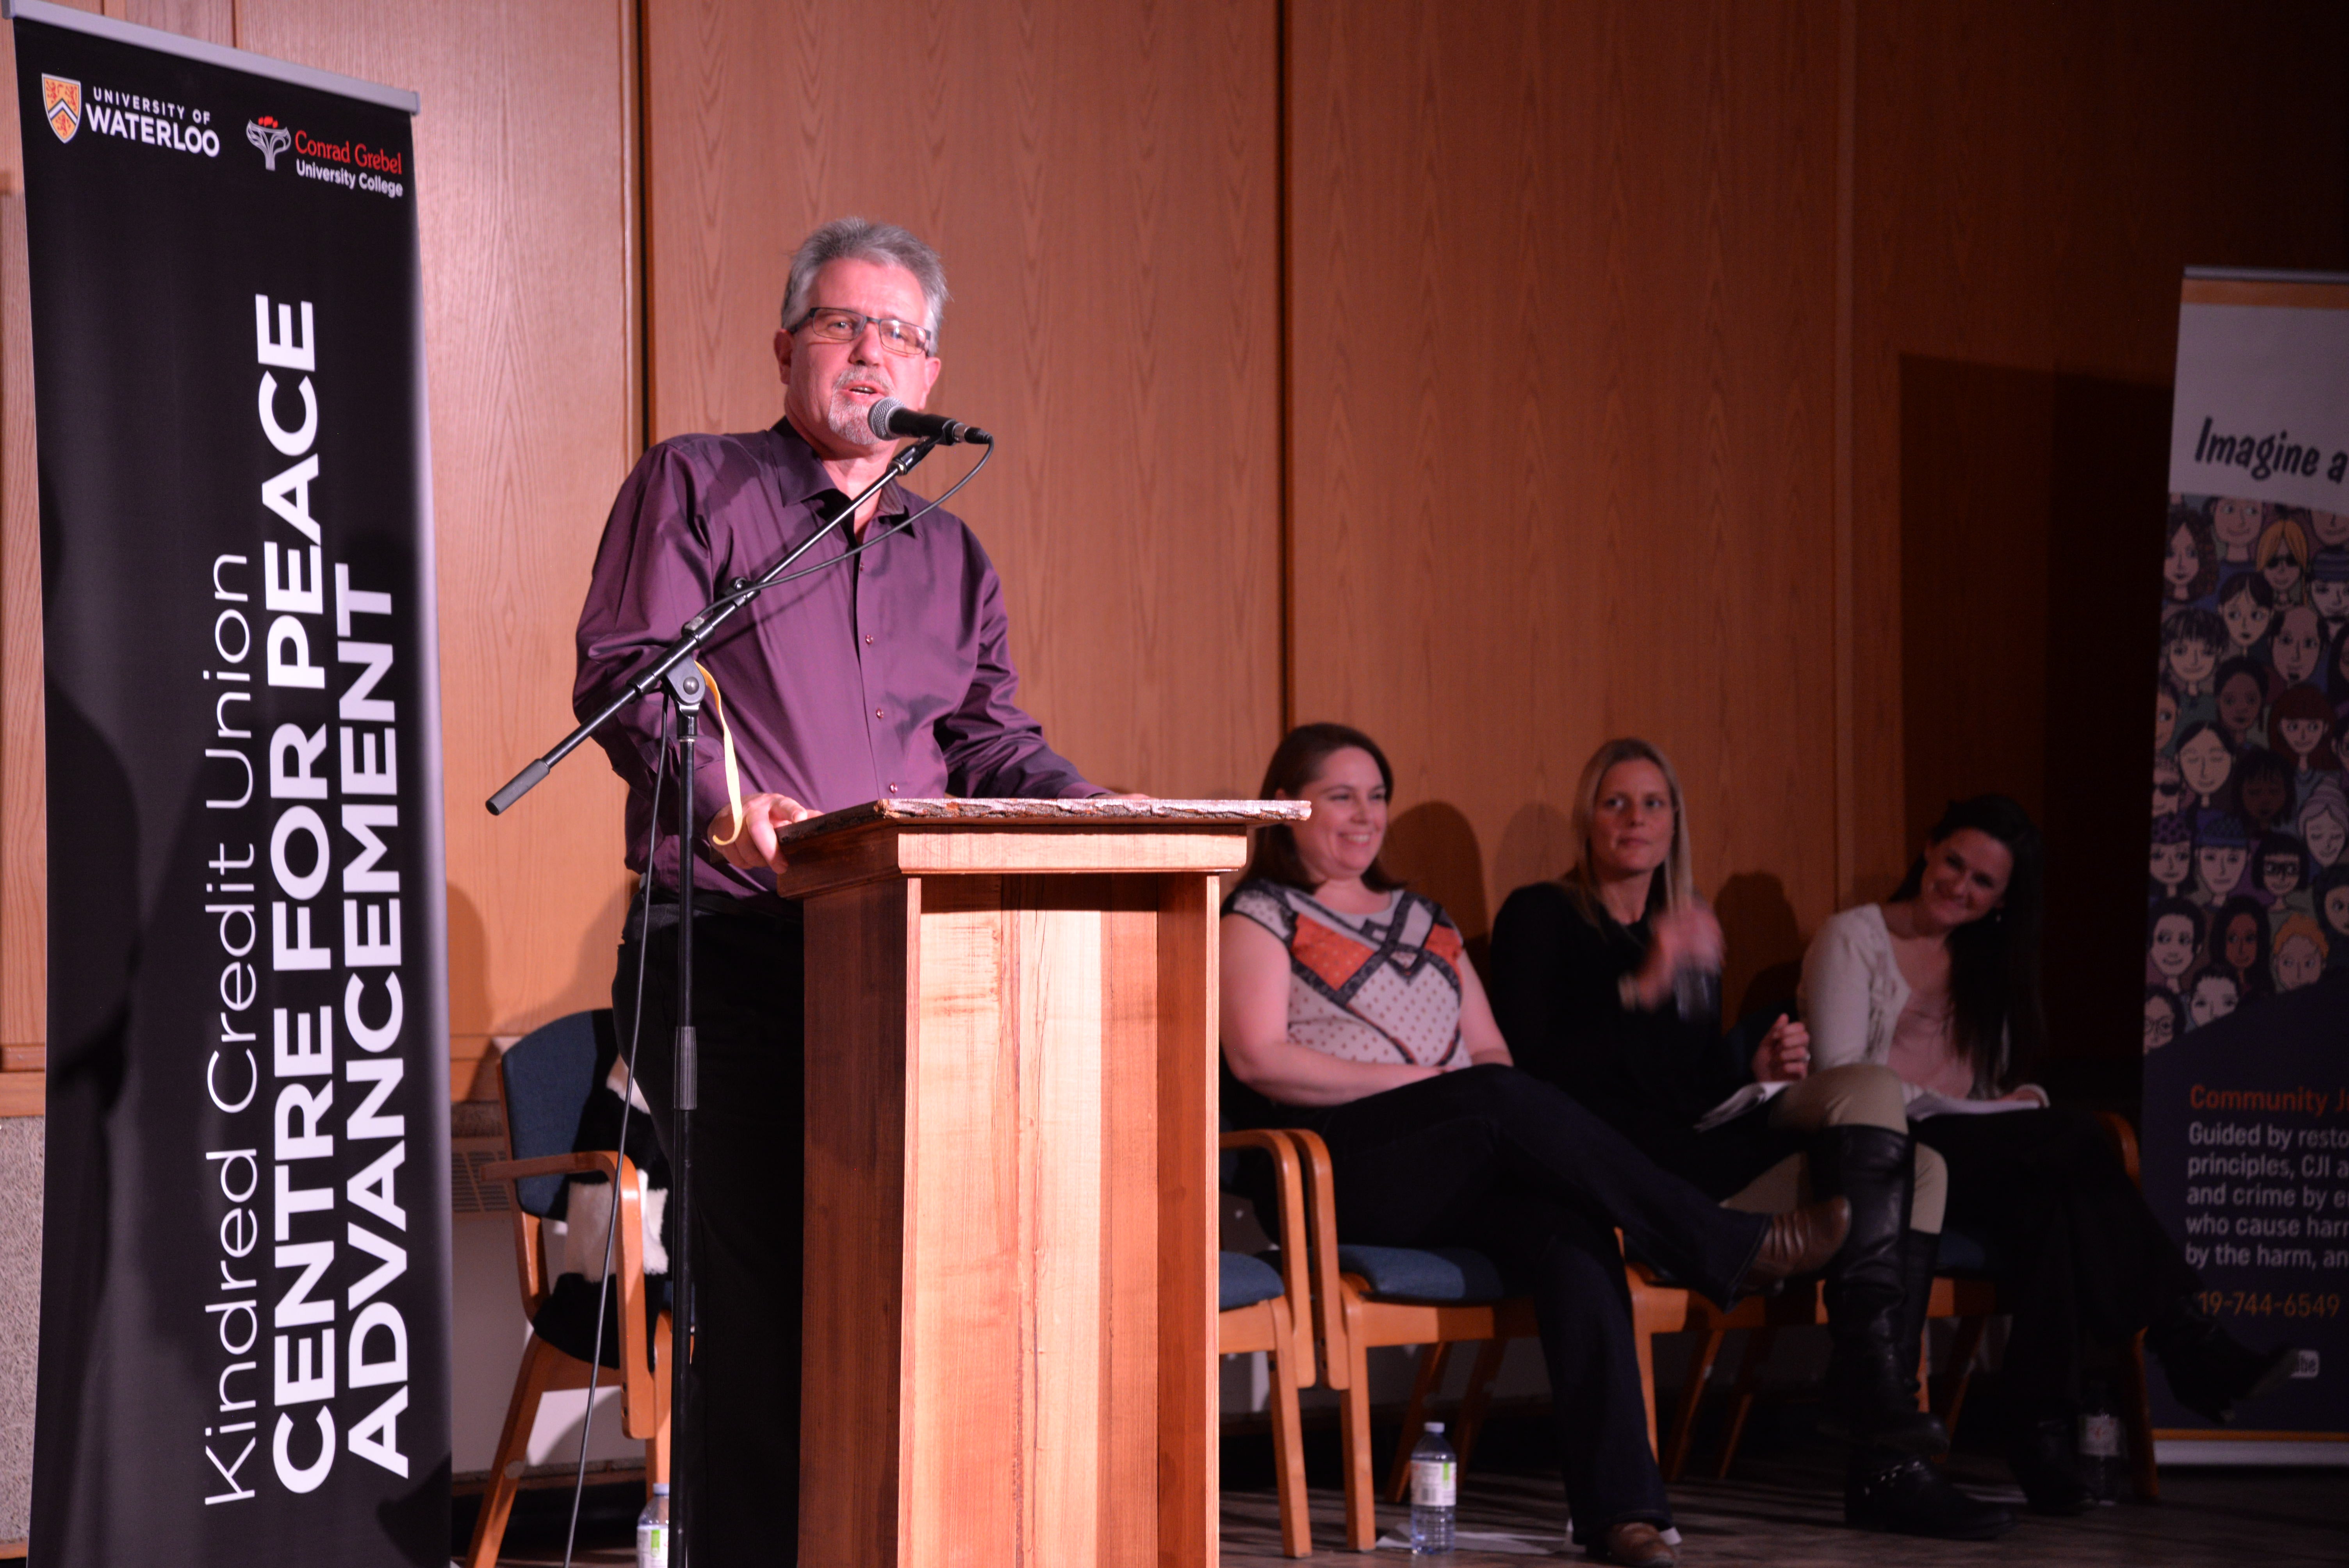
(1434, 1426)
(660, 1489)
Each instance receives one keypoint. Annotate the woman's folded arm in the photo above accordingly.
(1254, 1015)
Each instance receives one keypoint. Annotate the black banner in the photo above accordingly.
(2247, 1159)
(244, 1308)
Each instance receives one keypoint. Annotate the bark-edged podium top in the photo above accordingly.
(976, 836)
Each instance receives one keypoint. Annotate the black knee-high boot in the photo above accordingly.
(1920, 1253)
(1891, 1490)
(1906, 1494)
(1871, 1384)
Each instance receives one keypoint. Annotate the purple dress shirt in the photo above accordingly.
(888, 674)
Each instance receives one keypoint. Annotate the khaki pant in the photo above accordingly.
(1857, 1096)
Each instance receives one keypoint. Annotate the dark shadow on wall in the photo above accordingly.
(469, 965)
(1763, 941)
(599, 947)
(589, 984)
(1537, 846)
(2030, 514)
(1433, 848)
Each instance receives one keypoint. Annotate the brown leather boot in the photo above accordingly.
(1636, 1543)
(1799, 1242)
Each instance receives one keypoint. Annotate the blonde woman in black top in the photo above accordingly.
(1604, 984)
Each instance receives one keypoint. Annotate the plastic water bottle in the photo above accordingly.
(652, 1529)
(2102, 1469)
(1434, 1483)
(1696, 992)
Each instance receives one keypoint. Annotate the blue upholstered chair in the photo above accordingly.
(1267, 1308)
(1372, 1297)
(544, 1081)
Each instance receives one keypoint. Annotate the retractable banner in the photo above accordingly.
(244, 1306)
(2247, 920)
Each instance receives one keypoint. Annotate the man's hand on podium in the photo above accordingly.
(752, 846)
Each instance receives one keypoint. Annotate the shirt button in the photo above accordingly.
(892, 789)
(877, 713)
(868, 639)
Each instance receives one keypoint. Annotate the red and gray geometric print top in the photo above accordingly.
(1382, 987)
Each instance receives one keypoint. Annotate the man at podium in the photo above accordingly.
(887, 673)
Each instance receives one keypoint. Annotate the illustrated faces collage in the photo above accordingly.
(2247, 893)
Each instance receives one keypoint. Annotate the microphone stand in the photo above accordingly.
(674, 672)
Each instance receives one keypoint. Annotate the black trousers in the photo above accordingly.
(744, 1449)
(1494, 1158)
(2082, 1262)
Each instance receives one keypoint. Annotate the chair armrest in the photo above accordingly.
(1288, 1188)
(627, 1264)
(1321, 1228)
(2126, 1136)
(530, 1271)
(575, 1164)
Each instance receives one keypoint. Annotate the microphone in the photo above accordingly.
(891, 419)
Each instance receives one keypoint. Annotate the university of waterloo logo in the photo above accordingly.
(270, 137)
(61, 103)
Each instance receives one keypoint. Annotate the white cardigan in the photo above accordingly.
(1852, 996)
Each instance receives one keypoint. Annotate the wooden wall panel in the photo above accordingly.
(1567, 291)
(1562, 319)
(1101, 179)
(23, 816)
(2029, 183)
(522, 152)
(24, 793)
(24, 813)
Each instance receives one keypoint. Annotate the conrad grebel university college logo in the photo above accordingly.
(61, 103)
(269, 136)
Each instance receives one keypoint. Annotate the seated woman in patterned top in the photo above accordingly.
(1346, 1009)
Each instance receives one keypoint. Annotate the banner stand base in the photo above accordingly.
(2283, 1449)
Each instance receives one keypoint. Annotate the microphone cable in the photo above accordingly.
(748, 591)
(679, 1332)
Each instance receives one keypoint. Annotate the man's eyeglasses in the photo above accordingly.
(828, 323)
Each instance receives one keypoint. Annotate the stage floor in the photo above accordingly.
(1787, 1512)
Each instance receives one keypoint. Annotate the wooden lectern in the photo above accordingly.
(1009, 1340)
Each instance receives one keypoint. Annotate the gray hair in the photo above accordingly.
(862, 240)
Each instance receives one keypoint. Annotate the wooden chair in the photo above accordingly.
(1660, 1307)
(1963, 1290)
(1367, 1297)
(1479, 1311)
(543, 1083)
(1270, 1310)
(1455, 1296)
(1982, 1300)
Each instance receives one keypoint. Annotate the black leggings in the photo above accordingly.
(2082, 1262)
(1493, 1159)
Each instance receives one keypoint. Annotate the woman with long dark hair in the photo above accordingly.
(1940, 983)
(1347, 1009)
(1605, 983)
(2190, 570)
(2239, 943)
